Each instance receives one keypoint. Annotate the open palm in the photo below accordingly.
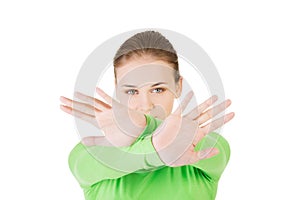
(120, 125)
(175, 139)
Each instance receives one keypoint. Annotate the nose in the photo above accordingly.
(145, 103)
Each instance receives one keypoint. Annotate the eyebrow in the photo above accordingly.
(133, 86)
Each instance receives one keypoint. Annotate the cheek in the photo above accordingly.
(129, 101)
(165, 101)
(123, 99)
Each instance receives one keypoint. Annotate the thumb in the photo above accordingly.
(207, 153)
(200, 155)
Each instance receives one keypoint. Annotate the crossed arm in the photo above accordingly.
(152, 149)
(91, 164)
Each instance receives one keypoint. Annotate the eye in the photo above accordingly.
(158, 90)
(131, 92)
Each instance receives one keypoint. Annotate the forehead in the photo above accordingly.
(143, 74)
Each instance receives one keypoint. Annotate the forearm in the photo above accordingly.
(87, 167)
(96, 163)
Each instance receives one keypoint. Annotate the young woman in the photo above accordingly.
(164, 154)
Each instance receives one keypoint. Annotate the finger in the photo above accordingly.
(105, 96)
(66, 100)
(203, 131)
(92, 101)
(85, 108)
(207, 153)
(66, 109)
(217, 123)
(181, 107)
(95, 140)
(203, 154)
(200, 134)
(76, 113)
(211, 113)
(199, 109)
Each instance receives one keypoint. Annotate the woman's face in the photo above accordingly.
(147, 85)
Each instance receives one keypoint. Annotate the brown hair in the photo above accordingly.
(149, 43)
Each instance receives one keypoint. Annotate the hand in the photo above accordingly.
(120, 124)
(175, 139)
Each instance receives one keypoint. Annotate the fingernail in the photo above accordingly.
(231, 115)
(65, 109)
(191, 93)
(99, 90)
(228, 102)
(63, 99)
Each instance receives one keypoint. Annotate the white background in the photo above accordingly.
(254, 45)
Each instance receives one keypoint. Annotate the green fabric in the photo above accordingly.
(136, 172)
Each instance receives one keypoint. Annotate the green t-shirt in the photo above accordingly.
(136, 172)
